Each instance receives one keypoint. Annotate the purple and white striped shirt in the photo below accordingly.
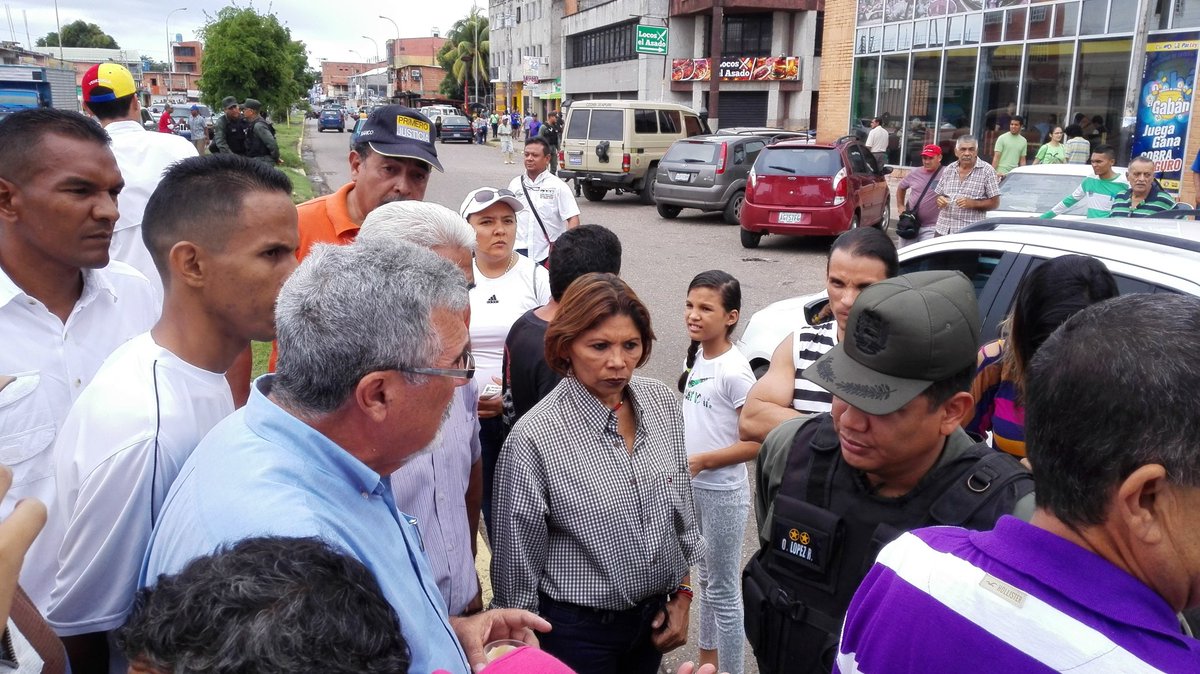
(1014, 599)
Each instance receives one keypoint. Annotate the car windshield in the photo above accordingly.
(1037, 193)
(798, 162)
(448, 121)
(692, 153)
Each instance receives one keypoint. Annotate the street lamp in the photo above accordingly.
(376, 46)
(394, 58)
(170, 52)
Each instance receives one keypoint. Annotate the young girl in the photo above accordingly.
(714, 388)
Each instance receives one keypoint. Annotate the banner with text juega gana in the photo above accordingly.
(1164, 108)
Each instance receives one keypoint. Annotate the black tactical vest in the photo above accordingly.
(827, 528)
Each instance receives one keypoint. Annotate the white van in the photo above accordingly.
(617, 144)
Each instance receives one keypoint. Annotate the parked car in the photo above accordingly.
(358, 125)
(331, 119)
(708, 173)
(456, 127)
(1145, 255)
(617, 144)
(1033, 190)
(181, 116)
(800, 188)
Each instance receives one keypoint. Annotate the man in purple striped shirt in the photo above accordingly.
(1095, 582)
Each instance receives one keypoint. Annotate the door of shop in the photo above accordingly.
(743, 108)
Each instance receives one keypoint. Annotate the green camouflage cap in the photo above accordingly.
(903, 334)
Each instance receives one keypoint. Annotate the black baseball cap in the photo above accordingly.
(399, 131)
(903, 334)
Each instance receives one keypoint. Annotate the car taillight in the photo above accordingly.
(625, 163)
(561, 158)
(752, 179)
(839, 187)
(721, 163)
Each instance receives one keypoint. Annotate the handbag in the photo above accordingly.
(908, 224)
(549, 243)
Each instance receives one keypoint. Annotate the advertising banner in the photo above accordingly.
(1164, 108)
(533, 70)
(750, 69)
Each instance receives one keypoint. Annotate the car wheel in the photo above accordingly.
(733, 209)
(647, 193)
(750, 239)
(592, 193)
(668, 211)
(854, 221)
(885, 220)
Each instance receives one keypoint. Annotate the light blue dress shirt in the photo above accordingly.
(262, 472)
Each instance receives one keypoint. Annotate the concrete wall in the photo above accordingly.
(505, 37)
(646, 78)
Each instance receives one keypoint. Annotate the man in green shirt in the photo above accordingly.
(1098, 192)
(1011, 148)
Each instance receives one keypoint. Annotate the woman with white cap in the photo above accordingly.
(507, 284)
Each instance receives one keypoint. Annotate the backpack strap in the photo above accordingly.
(812, 461)
(990, 475)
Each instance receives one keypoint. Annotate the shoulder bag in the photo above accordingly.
(549, 243)
(908, 224)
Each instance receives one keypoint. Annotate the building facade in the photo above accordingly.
(599, 56)
(413, 70)
(525, 37)
(768, 66)
(335, 77)
(935, 70)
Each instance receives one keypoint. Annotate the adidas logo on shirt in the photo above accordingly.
(493, 300)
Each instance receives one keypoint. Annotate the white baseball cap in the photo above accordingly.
(483, 198)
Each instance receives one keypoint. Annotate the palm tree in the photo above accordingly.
(471, 50)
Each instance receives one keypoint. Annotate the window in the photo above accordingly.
(692, 124)
(798, 162)
(818, 39)
(577, 129)
(977, 265)
(747, 35)
(185, 51)
(606, 125)
(645, 121)
(1100, 76)
(866, 83)
(605, 45)
(668, 121)
(859, 163)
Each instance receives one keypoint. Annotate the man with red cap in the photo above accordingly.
(916, 194)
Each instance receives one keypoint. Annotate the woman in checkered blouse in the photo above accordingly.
(592, 507)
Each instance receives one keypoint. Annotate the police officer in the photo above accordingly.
(229, 129)
(551, 132)
(260, 141)
(833, 488)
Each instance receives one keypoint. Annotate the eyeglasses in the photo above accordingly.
(467, 371)
(485, 195)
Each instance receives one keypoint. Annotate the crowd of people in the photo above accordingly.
(433, 367)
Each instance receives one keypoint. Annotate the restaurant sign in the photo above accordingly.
(734, 69)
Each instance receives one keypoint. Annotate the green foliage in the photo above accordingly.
(465, 56)
(80, 34)
(251, 55)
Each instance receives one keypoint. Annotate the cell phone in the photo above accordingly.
(490, 391)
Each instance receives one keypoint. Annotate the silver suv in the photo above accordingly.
(1145, 255)
(708, 173)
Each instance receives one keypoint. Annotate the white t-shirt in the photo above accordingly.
(119, 450)
(554, 201)
(497, 303)
(53, 362)
(877, 139)
(715, 390)
(142, 157)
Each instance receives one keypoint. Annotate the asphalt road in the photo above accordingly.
(660, 257)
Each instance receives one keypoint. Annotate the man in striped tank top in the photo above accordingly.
(857, 258)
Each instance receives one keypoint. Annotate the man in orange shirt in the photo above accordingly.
(390, 162)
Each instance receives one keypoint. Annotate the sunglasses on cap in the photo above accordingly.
(485, 195)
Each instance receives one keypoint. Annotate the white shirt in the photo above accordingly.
(554, 201)
(715, 390)
(497, 303)
(118, 452)
(432, 487)
(142, 157)
(877, 139)
(53, 363)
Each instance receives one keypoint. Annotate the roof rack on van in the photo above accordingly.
(1092, 227)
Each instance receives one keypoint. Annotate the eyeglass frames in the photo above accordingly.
(467, 371)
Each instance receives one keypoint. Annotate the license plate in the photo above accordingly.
(790, 218)
(575, 159)
(682, 177)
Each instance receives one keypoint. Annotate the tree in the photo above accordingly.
(251, 55)
(149, 65)
(80, 34)
(465, 56)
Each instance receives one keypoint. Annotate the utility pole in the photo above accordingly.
(1137, 65)
(714, 84)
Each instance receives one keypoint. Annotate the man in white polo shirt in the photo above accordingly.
(550, 207)
(222, 231)
(63, 306)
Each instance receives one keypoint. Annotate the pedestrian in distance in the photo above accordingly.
(550, 207)
(551, 132)
(515, 122)
(1097, 192)
(505, 132)
(1052, 151)
(198, 127)
(1011, 148)
(494, 121)
(1077, 148)
(877, 141)
(967, 190)
(165, 123)
(1145, 198)
(714, 387)
(1097, 578)
(917, 196)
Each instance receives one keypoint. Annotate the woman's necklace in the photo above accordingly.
(512, 262)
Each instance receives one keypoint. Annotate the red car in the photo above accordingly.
(803, 189)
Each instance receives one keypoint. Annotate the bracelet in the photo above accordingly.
(684, 588)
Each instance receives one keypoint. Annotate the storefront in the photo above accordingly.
(935, 70)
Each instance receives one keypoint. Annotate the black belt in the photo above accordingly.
(654, 602)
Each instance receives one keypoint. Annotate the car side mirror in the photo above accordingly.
(886, 170)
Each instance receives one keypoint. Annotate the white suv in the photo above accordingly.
(1145, 255)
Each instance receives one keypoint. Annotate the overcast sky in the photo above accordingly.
(330, 29)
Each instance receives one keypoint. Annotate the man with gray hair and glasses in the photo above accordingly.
(364, 381)
(1096, 579)
(442, 485)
